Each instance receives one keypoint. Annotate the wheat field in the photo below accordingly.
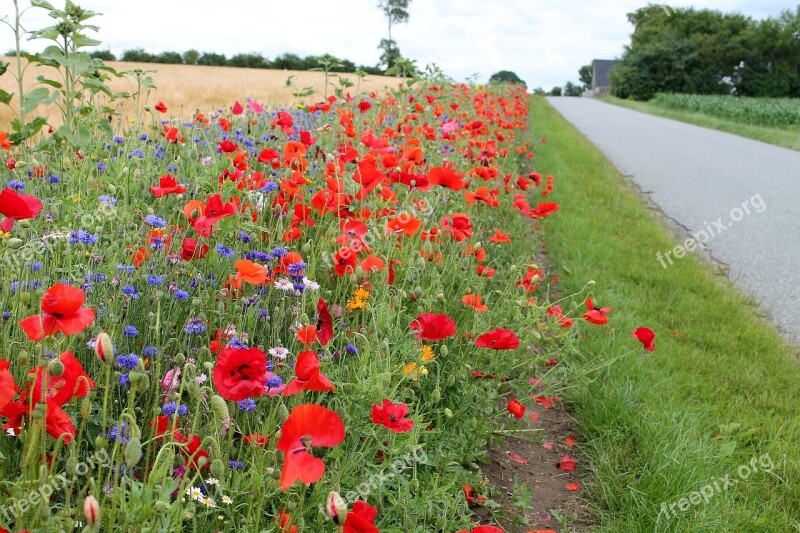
(187, 88)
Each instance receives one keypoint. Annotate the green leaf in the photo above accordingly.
(5, 97)
(51, 83)
(82, 41)
(727, 449)
(96, 86)
(37, 97)
(3, 68)
(43, 4)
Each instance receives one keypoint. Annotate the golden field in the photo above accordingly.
(186, 88)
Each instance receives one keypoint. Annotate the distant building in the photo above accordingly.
(601, 84)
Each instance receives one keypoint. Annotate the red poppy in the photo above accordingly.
(594, 314)
(324, 323)
(433, 327)
(472, 496)
(516, 408)
(446, 177)
(238, 109)
(459, 226)
(646, 336)
(190, 249)
(485, 529)
(392, 416)
(8, 389)
(543, 210)
(16, 206)
(167, 184)
(214, 211)
(556, 312)
(364, 106)
(254, 439)
(498, 339)
(474, 301)
(73, 382)
(61, 311)
(307, 335)
(307, 426)
(5, 143)
(161, 108)
(344, 261)
(58, 423)
(308, 375)
(500, 236)
(361, 519)
(240, 373)
(251, 272)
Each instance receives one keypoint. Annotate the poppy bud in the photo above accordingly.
(443, 350)
(25, 297)
(55, 368)
(25, 223)
(71, 465)
(187, 517)
(219, 407)
(14, 243)
(283, 413)
(11, 163)
(91, 510)
(22, 357)
(100, 443)
(86, 408)
(436, 395)
(143, 384)
(218, 468)
(38, 411)
(336, 508)
(104, 348)
(133, 452)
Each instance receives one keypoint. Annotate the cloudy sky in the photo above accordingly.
(543, 41)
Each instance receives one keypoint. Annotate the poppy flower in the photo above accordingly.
(73, 382)
(484, 529)
(372, 264)
(16, 206)
(307, 426)
(446, 177)
(61, 311)
(543, 210)
(646, 337)
(5, 143)
(308, 375)
(161, 107)
(594, 314)
(167, 185)
(255, 439)
(516, 408)
(498, 339)
(459, 226)
(361, 519)
(324, 323)
(213, 211)
(238, 109)
(472, 496)
(251, 272)
(8, 389)
(190, 249)
(307, 335)
(556, 312)
(58, 423)
(474, 301)
(392, 416)
(403, 224)
(433, 327)
(240, 373)
(344, 261)
(500, 236)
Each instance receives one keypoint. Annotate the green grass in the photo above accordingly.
(650, 420)
(786, 137)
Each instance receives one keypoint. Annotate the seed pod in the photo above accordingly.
(414, 485)
(436, 395)
(143, 384)
(14, 243)
(55, 368)
(283, 413)
(219, 407)
(86, 408)
(218, 468)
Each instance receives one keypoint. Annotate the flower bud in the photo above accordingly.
(219, 407)
(133, 452)
(14, 243)
(104, 348)
(218, 468)
(55, 368)
(91, 510)
(336, 508)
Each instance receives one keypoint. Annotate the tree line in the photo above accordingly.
(703, 51)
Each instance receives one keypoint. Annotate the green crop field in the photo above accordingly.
(780, 112)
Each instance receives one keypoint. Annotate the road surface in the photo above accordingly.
(741, 197)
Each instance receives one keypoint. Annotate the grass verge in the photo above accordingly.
(701, 434)
(785, 137)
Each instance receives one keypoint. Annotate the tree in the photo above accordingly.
(138, 55)
(396, 12)
(253, 60)
(555, 91)
(585, 73)
(105, 55)
(506, 76)
(572, 89)
(190, 57)
(212, 59)
(169, 58)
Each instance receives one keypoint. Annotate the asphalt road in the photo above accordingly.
(741, 196)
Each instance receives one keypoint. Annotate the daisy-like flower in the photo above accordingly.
(194, 492)
(427, 353)
(208, 502)
(279, 352)
(227, 500)
(212, 481)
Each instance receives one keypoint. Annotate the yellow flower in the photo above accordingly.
(427, 353)
(415, 370)
(358, 300)
(4, 234)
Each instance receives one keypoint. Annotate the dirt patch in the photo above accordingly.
(530, 491)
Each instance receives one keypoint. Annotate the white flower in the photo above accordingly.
(201, 379)
(310, 285)
(284, 285)
(212, 481)
(279, 352)
(227, 500)
(195, 493)
(208, 502)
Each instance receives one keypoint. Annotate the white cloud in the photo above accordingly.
(543, 41)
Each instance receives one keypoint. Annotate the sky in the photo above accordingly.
(543, 41)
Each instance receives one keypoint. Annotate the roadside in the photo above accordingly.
(785, 137)
(717, 394)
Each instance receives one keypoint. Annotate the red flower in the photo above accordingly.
(516, 408)
(308, 375)
(16, 206)
(433, 327)
(58, 423)
(485, 529)
(498, 339)
(8, 389)
(459, 226)
(646, 337)
(324, 323)
(161, 108)
(472, 496)
(307, 426)
(596, 315)
(72, 383)
(61, 311)
(214, 210)
(361, 519)
(238, 109)
(364, 106)
(556, 312)
(345, 261)
(307, 335)
(190, 249)
(240, 373)
(392, 416)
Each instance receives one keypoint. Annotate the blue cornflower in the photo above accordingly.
(256, 255)
(244, 237)
(224, 251)
(279, 252)
(155, 222)
(128, 269)
(194, 326)
(169, 409)
(269, 187)
(119, 433)
(106, 199)
(102, 166)
(157, 243)
(150, 351)
(130, 331)
(181, 294)
(36, 266)
(54, 179)
(13, 286)
(236, 342)
(6, 315)
(248, 404)
(128, 362)
(183, 409)
(351, 349)
(130, 290)
(262, 314)
(119, 140)
(235, 465)
(155, 280)
(273, 382)
(17, 185)
(295, 269)
(124, 379)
